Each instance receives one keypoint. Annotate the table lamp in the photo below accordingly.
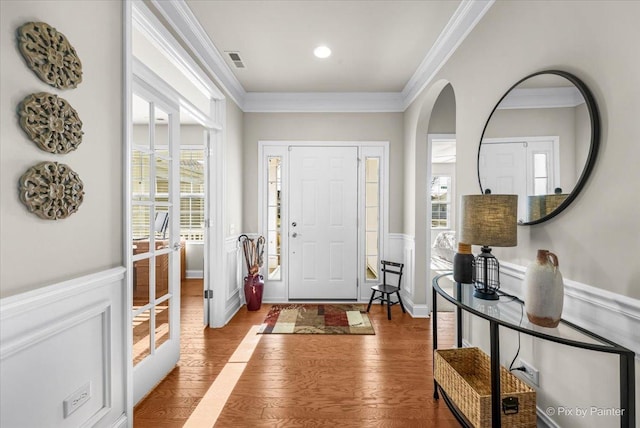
(490, 221)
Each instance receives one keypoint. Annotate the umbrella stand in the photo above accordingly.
(253, 251)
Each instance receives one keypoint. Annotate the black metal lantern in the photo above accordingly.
(486, 275)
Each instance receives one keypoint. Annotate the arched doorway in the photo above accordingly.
(436, 118)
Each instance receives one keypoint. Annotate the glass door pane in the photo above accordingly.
(153, 207)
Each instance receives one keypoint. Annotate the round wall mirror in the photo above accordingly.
(540, 143)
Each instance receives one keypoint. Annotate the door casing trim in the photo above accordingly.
(267, 148)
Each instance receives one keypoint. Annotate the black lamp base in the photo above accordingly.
(487, 294)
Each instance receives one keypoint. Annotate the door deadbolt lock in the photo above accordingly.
(294, 224)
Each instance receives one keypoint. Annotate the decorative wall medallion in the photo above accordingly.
(51, 190)
(50, 122)
(50, 55)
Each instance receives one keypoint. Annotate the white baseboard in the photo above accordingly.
(194, 274)
(416, 310)
(122, 422)
(544, 421)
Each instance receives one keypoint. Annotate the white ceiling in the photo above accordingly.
(377, 45)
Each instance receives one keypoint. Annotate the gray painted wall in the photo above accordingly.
(322, 127)
(37, 252)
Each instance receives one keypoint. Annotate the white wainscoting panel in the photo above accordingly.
(613, 316)
(234, 295)
(402, 248)
(56, 339)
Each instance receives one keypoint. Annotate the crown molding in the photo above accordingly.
(151, 26)
(329, 102)
(464, 19)
(185, 24)
(542, 98)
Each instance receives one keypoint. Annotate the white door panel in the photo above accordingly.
(324, 208)
(502, 166)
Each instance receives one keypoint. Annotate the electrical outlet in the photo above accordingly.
(77, 399)
(530, 372)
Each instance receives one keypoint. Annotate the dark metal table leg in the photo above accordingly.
(459, 315)
(627, 390)
(496, 422)
(434, 327)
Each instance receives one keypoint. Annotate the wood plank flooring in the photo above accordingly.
(385, 380)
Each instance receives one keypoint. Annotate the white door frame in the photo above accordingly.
(280, 289)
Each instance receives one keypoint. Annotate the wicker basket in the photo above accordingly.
(465, 375)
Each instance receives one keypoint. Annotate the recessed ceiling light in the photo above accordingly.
(322, 52)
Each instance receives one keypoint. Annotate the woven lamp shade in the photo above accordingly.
(542, 205)
(489, 220)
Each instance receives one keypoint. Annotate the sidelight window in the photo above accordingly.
(274, 227)
(372, 216)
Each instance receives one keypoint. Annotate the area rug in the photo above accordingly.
(317, 319)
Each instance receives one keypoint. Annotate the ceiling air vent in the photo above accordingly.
(235, 58)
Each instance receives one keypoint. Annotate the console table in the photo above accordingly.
(503, 313)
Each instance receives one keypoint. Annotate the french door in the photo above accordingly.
(323, 223)
(155, 237)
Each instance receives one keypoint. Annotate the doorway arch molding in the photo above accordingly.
(417, 170)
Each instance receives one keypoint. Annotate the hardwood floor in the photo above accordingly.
(385, 380)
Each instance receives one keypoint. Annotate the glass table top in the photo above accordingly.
(510, 312)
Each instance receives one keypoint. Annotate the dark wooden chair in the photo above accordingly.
(386, 290)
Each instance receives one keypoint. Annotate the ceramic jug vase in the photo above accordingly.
(544, 290)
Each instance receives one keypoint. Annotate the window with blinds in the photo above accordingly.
(191, 192)
(440, 201)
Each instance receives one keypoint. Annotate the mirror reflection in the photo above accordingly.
(537, 144)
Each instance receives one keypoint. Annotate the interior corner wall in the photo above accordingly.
(597, 236)
(235, 175)
(36, 252)
(323, 127)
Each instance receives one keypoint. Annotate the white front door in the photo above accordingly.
(323, 223)
(502, 165)
(155, 238)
